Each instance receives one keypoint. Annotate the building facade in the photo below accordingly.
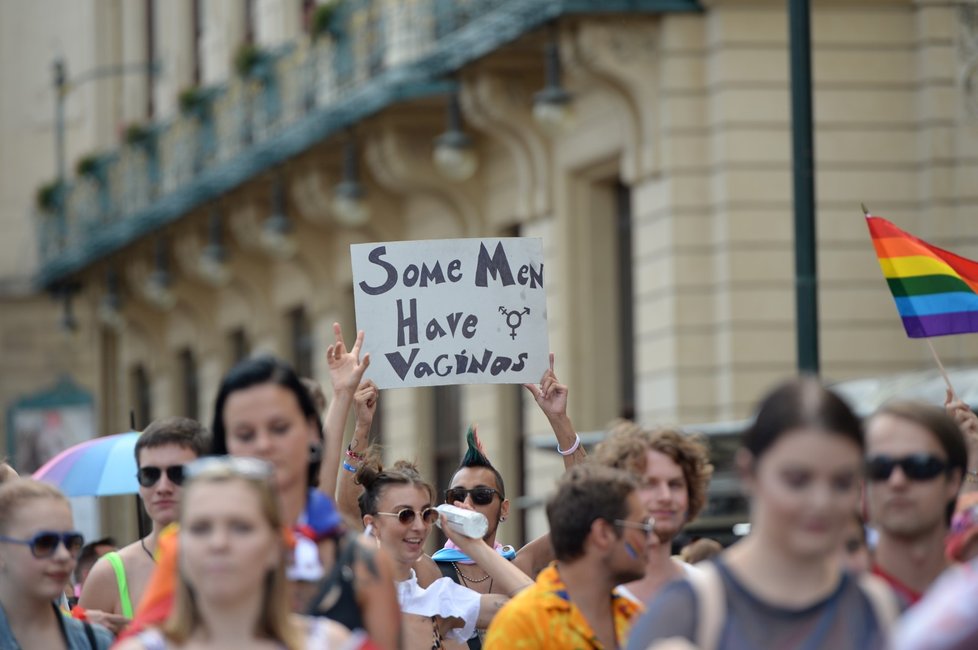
(210, 211)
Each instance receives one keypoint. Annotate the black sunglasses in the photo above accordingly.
(918, 467)
(149, 475)
(481, 496)
(45, 543)
(407, 515)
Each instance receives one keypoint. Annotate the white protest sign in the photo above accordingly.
(452, 311)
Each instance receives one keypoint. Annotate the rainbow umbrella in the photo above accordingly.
(97, 467)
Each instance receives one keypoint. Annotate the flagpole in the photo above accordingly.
(940, 366)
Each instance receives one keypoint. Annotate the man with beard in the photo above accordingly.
(916, 460)
(673, 470)
(598, 527)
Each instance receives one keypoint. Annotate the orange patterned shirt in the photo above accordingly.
(542, 616)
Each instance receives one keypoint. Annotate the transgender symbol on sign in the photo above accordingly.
(514, 319)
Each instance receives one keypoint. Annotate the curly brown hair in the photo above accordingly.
(626, 446)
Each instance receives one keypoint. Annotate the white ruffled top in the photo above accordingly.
(444, 598)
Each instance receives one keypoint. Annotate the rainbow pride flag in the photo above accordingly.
(936, 291)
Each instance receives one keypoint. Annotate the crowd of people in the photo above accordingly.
(268, 532)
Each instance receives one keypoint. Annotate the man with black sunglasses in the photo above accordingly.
(117, 581)
(916, 460)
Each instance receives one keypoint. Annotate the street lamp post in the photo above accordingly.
(806, 277)
(62, 86)
(60, 89)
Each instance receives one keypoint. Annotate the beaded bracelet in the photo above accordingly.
(348, 467)
(354, 455)
(572, 449)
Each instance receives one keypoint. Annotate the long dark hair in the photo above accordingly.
(254, 372)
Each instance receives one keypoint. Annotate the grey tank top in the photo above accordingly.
(844, 620)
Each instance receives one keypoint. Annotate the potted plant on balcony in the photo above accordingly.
(95, 169)
(252, 62)
(47, 196)
(95, 166)
(140, 135)
(136, 134)
(88, 165)
(324, 20)
(195, 101)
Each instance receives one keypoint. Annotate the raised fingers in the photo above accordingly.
(357, 344)
(338, 336)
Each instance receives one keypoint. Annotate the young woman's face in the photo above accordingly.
(227, 545)
(805, 489)
(265, 421)
(405, 542)
(38, 579)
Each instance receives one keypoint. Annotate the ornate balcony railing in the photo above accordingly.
(379, 52)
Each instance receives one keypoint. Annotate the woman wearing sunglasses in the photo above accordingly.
(396, 507)
(782, 587)
(38, 550)
(476, 484)
(232, 590)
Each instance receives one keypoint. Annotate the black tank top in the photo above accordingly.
(448, 570)
(342, 605)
